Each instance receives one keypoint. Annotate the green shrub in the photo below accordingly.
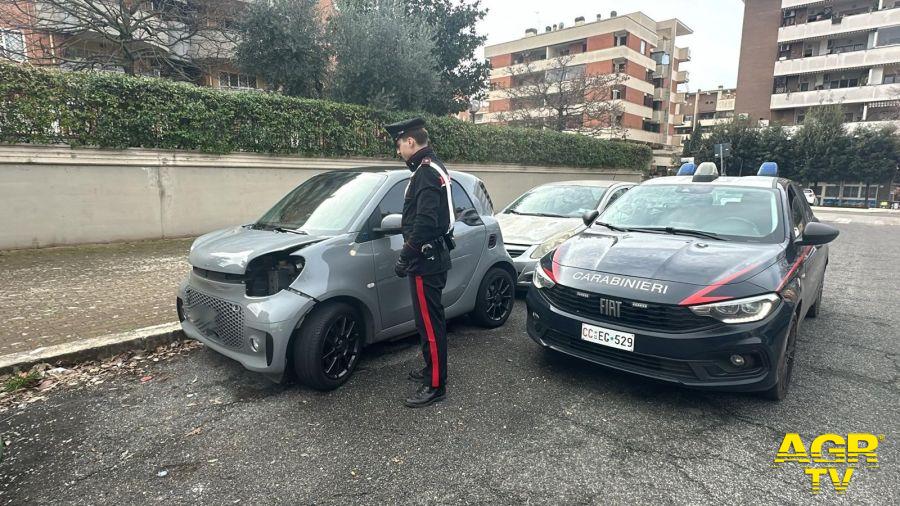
(116, 111)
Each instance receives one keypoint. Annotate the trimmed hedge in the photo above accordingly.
(117, 111)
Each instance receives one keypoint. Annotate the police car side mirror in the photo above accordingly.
(817, 233)
(589, 217)
(390, 225)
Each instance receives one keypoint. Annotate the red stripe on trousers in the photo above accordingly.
(423, 308)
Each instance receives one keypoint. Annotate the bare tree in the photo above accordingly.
(174, 38)
(557, 94)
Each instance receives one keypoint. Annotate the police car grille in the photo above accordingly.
(228, 324)
(635, 362)
(660, 317)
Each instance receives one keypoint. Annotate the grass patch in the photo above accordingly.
(21, 381)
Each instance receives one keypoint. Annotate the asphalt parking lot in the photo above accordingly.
(518, 425)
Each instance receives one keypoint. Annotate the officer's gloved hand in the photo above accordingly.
(401, 266)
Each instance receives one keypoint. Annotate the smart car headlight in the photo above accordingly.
(747, 310)
(551, 244)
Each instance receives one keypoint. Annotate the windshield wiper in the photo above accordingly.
(682, 231)
(289, 230)
(277, 228)
(611, 227)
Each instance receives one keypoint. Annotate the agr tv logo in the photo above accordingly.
(841, 457)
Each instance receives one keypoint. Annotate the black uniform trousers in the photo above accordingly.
(426, 295)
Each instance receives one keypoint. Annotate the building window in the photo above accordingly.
(620, 39)
(12, 45)
(804, 86)
(643, 47)
(788, 17)
(617, 94)
(233, 80)
(584, 47)
(891, 79)
(619, 67)
(888, 36)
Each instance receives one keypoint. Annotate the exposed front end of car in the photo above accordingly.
(254, 331)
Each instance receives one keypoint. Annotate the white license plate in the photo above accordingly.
(607, 337)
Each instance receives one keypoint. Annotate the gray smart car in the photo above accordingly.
(312, 282)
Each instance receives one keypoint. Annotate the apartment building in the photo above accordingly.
(640, 49)
(705, 109)
(32, 32)
(796, 54)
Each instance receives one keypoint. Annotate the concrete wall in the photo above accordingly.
(52, 195)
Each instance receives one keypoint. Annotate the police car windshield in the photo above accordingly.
(730, 212)
(324, 204)
(563, 201)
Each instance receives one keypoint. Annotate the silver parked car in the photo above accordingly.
(545, 216)
(312, 282)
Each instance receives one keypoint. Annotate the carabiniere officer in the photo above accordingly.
(428, 238)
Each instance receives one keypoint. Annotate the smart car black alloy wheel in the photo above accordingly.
(495, 298)
(328, 346)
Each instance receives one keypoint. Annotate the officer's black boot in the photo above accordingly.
(426, 396)
(417, 375)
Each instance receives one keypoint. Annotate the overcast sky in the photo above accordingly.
(715, 43)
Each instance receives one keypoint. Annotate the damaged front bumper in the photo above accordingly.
(255, 331)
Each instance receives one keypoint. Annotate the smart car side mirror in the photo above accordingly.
(589, 217)
(817, 233)
(390, 225)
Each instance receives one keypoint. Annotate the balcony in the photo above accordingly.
(840, 95)
(634, 134)
(855, 23)
(869, 58)
(661, 94)
(708, 122)
(726, 104)
(790, 4)
(683, 54)
(678, 98)
(681, 76)
(212, 45)
(612, 53)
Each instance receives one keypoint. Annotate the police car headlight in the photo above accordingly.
(747, 310)
(551, 244)
(543, 273)
(541, 279)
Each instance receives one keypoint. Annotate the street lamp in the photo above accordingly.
(474, 107)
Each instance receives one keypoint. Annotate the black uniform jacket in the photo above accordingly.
(426, 215)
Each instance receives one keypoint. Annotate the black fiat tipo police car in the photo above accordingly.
(695, 279)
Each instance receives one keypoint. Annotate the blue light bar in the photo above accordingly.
(768, 169)
(687, 169)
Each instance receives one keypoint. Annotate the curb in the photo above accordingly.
(95, 348)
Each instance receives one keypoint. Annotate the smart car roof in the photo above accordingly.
(747, 181)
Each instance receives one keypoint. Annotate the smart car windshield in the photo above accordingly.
(566, 201)
(711, 211)
(324, 204)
